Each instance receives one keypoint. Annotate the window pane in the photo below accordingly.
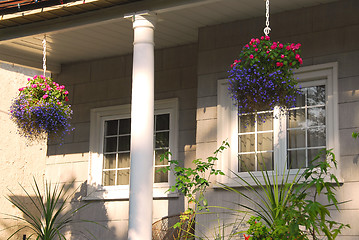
(265, 161)
(160, 176)
(296, 118)
(109, 178)
(123, 177)
(296, 159)
(265, 141)
(265, 124)
(316, 116)
(110, 144)
(296, 138)
(300, 99)
(316, 137)
(247, 143)
(124, 143)
(162, 122)
(158, 154)
(123, 160)
(247, 162)
(316, 95)
(162, 139)
(109, 161)
(246, 123)
(125, 126)
(111, 127)
(312, 153)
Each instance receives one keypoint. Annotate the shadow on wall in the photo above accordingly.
(90, 222)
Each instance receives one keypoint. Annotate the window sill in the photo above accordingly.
(122, 193)
(236, 182)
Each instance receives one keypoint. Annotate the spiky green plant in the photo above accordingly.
(44, 215)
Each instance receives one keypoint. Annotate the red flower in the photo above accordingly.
(251, 56)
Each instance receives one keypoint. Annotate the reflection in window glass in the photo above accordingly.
(306, 127)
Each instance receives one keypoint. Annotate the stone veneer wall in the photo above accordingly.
(20, 160)
(107, 82)
(328, 33)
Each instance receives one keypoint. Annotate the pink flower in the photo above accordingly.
(280, 46)
(282, 56)
(29, 79)
(45, 96)
(58, 103)
(300, 60)
(62, 87)
(254, 46)
(66, 99)
(251, 56)
(297, 56)
(247, 46)
(267, 38)
(257, 40)
(273, 46)
(34, 86)
(35, 76)
(21, 89)
(288, 47)
(278, 64)
(256, 49)
(66, 92)
(268, 51)
(42, 76)
(262, 38)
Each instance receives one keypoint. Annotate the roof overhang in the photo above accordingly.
(80, 32)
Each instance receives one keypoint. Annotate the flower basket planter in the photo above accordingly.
(40, 109)
(262, 77)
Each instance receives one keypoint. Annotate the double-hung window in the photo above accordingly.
(110, 137)
(283, 140)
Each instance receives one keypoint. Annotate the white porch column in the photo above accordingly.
(142, 124)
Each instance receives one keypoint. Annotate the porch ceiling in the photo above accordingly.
(104, 32)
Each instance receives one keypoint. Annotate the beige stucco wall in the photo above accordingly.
(20, 161)
(328, 33)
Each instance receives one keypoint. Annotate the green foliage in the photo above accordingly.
(305, 210)
(44, 215)
(289, 207)
(355, 135)
(192, 182)
(257, 230)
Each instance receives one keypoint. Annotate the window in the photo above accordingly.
(286, 140)
(110, 137)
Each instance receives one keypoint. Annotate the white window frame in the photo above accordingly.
(227, 123)
(95, 189)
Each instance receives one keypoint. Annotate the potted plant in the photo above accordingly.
(262, 77)
(40, 109)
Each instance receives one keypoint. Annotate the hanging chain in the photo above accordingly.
(267, 28)
(44, 54)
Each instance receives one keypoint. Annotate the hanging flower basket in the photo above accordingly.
(40, 110)
(262, 77)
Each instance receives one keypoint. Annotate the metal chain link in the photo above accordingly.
(267, 28)
(44, 54)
